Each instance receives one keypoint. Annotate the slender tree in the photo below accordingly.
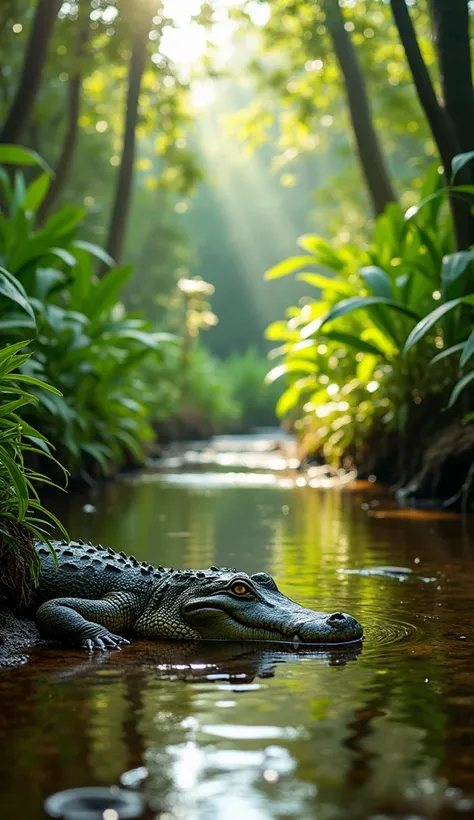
(451, 33)
(440, 122)
(123, 191)
(19, 115)
(66, 158)
(369, 149)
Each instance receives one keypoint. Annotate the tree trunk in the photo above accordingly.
(438, 118)
(34, 62)
(66, 158)
(451, 31)
(370, 152)
(123, 191)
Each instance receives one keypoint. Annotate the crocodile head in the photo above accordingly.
(229, 605)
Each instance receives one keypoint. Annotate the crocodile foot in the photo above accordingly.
(104, 640)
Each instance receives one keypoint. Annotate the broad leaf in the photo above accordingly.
(454, 265)
(291, 366)
(105, 294)
(322, 250)
(14, 293)
(459, 161)
(65, 256)
(468, 350)
(95, 250)
(287, 401)
(331, 283)
(17, 155)
(422, 328)
(36, 192)
(289, 266)
(449, 351)
(353, 341)
(378, 281)
(349, 306)
(461, 385)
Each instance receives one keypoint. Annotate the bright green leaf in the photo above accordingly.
(289, 266)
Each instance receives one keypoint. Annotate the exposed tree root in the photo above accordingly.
(446, 475)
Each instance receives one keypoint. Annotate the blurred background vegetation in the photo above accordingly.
(159, 156)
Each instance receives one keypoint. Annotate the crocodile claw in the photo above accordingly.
(105, 640)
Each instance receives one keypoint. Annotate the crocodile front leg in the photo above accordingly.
(87, 623)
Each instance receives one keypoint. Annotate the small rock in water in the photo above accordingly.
(386, 572)
(134, 777)
(88, 508)
(89, 803)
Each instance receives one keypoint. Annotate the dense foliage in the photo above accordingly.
(379, 339)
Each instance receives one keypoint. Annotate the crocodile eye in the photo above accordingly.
(240, 589)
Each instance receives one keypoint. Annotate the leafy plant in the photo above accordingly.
(86, 344)
(356, 356)
(23, 518)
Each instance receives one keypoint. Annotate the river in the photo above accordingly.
(226, 731)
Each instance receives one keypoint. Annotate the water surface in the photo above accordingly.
(231, 731)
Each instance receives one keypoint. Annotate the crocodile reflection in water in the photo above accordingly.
(195, 661)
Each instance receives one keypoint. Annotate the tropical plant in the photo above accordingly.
(23, 518)
(349, 356)
(86, 344)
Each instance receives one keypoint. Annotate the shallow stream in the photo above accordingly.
(258, 732)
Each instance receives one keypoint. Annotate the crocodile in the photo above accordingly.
(96, 598)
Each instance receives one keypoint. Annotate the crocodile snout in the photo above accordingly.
(339, 627)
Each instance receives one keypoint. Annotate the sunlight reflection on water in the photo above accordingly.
(379, 729)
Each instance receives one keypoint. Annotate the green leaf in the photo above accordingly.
(422, 328)
(355, 342)
(454, 265)
(412, 212)
(18, 481)
(461, 385)
(290, 265)
(378, 281)
(11, 406)
(326, 282)
(36, 382)
(449, 351)
(36, 192)
(17, 155)
(287, 401)
(322, 250)
(65, 256)
(105, 294)
(14, 293)
(349, 306)
(290, 366)
(459, 161)
(63, 222)
(146, 339)
(10, 350)
(95, 250)
(468, 350)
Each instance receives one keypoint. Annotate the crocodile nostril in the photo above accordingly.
(336, 616)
